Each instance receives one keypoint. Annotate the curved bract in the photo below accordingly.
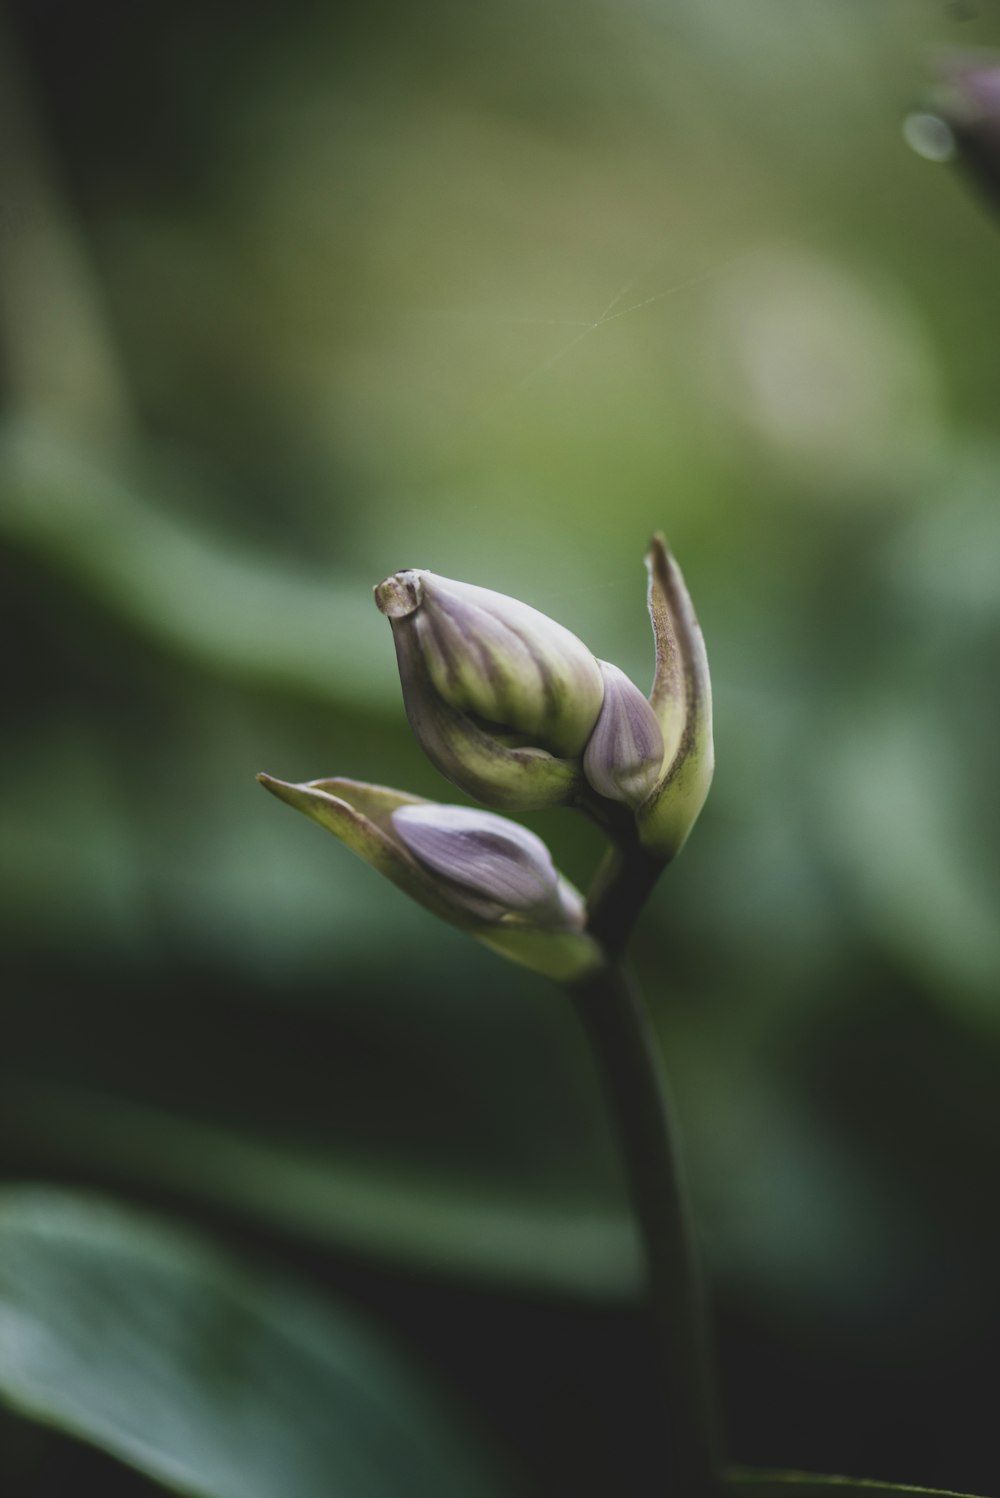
(682, 701)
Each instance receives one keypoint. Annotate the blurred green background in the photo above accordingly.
(295, 296)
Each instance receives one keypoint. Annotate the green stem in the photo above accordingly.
(627, 1055)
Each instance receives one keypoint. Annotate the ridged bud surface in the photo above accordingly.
(508, 665)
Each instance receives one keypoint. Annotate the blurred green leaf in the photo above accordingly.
(812, 1485)
(443, 1219)
(211, 599)
(214, 1380)
(902, 818)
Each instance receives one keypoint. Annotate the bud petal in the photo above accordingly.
(682, 701)
(488, 876)
(506, 777)
(625, 754)
(490, 856)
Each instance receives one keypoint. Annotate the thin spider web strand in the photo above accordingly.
(711, 274)
(467, 314)
(648, 264)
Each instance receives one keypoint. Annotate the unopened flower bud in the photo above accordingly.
(486, 875)
(502, 698)
(624, 755)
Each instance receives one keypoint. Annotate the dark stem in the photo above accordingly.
(621, 888)
(627, 1055)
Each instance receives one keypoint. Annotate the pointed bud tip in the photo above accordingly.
(285, 790)
(659, 557)
(399, 595)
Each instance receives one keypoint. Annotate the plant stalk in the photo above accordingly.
(627, 1055)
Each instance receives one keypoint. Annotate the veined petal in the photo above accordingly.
(498, 774)
(489, 855)
(499, 659)
(624, 757)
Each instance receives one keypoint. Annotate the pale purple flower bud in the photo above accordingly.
(491, 857)
(625, 753)
(501, 698)
(975, 123)
(500, 659)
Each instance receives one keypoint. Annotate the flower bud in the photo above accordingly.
(482, 873)
(624, 755)
(681, 699)
(500, 660)
(962, 118)
(974, 115)
(502, 698)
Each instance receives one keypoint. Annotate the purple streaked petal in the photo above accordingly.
(625, 752)
(481, 852)
(498, 659)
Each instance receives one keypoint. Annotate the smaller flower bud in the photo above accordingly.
(625, 753)
(501, 698)
(486, 875)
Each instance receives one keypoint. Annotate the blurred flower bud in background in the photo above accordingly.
(961, 119)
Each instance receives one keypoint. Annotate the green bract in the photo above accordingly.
(682, 701)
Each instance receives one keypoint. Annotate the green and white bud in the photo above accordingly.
(478, 871)
(502, 698)
(682, 702)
